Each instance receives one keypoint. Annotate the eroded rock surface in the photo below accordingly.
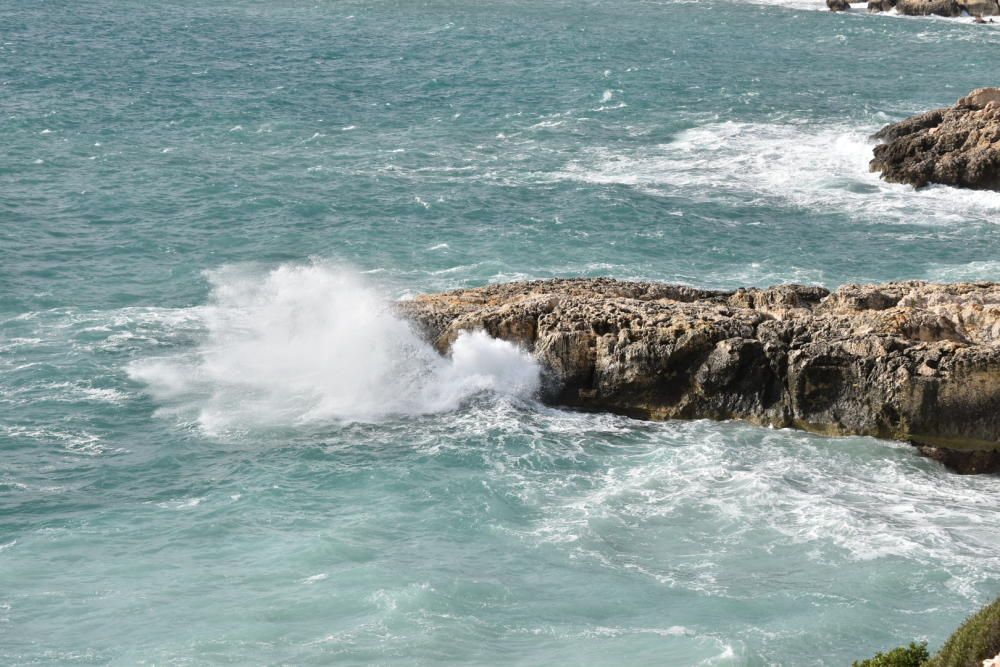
(928, 7)
(980, 7)
(881, 5)
(907, 360)
(958, 145)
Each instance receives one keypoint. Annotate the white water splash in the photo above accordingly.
(305, 344)
(817, 168)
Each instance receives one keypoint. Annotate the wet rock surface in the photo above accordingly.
(908, 361)
(958, 145)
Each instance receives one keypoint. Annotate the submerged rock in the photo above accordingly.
(908, 360)
(958, 145)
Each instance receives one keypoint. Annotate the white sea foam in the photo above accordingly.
(857, 10)
(838, 499)
(80, 442)
(180, 504)
(818, 168)
(985, 270)
(75, 391)
(304, 344)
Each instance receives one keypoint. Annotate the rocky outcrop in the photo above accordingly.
(949, 8)
(958, 145)
(907, 360)
(881, 5)
(838, 5)
(928, 7)
(980, 7)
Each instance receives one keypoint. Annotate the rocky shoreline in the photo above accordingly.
(946, 8)
(911, 361)
(957, 145)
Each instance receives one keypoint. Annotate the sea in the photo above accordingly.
(219, 445)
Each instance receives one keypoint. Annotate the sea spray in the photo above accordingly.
(303, 344)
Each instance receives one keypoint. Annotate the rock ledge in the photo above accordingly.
(910, 361)
(958, 145)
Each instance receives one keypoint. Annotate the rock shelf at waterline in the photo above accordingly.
(946, 8)
(957, 145)
(910, 361)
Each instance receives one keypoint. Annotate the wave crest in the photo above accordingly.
(305, 344)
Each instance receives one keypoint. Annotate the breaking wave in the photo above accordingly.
(305, 344)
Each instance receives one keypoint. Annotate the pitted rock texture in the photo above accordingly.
(907, 360)
(980, 7)
(881, 5)
(958, 145)
(928, 7)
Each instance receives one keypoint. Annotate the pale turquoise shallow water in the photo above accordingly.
(218, 447)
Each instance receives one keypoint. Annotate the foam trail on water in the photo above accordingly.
(305, 344)
(820, 169)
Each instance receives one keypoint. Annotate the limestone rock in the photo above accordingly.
(980, 7)
(881, 5)
(979, 98)
(906, 360)
(957, 146)
(928, 7)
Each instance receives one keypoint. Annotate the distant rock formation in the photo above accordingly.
(950, 8)
(958, 145)
(981, 7)
(881, 5)
(907, 360)
(838, 5)
(928, 7)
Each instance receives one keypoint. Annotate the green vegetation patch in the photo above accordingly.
(976, 640)
(913, 655)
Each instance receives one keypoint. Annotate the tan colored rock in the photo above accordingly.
(907, 360)
(928, 7)
(980, 97)
(980, 7)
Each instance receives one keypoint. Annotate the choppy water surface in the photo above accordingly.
(219, 445)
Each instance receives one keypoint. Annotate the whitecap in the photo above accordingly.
(180, 504)
(822, 169)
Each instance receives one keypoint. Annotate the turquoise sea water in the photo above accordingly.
(218, 446)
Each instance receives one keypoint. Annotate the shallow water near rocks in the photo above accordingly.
(220, 446)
